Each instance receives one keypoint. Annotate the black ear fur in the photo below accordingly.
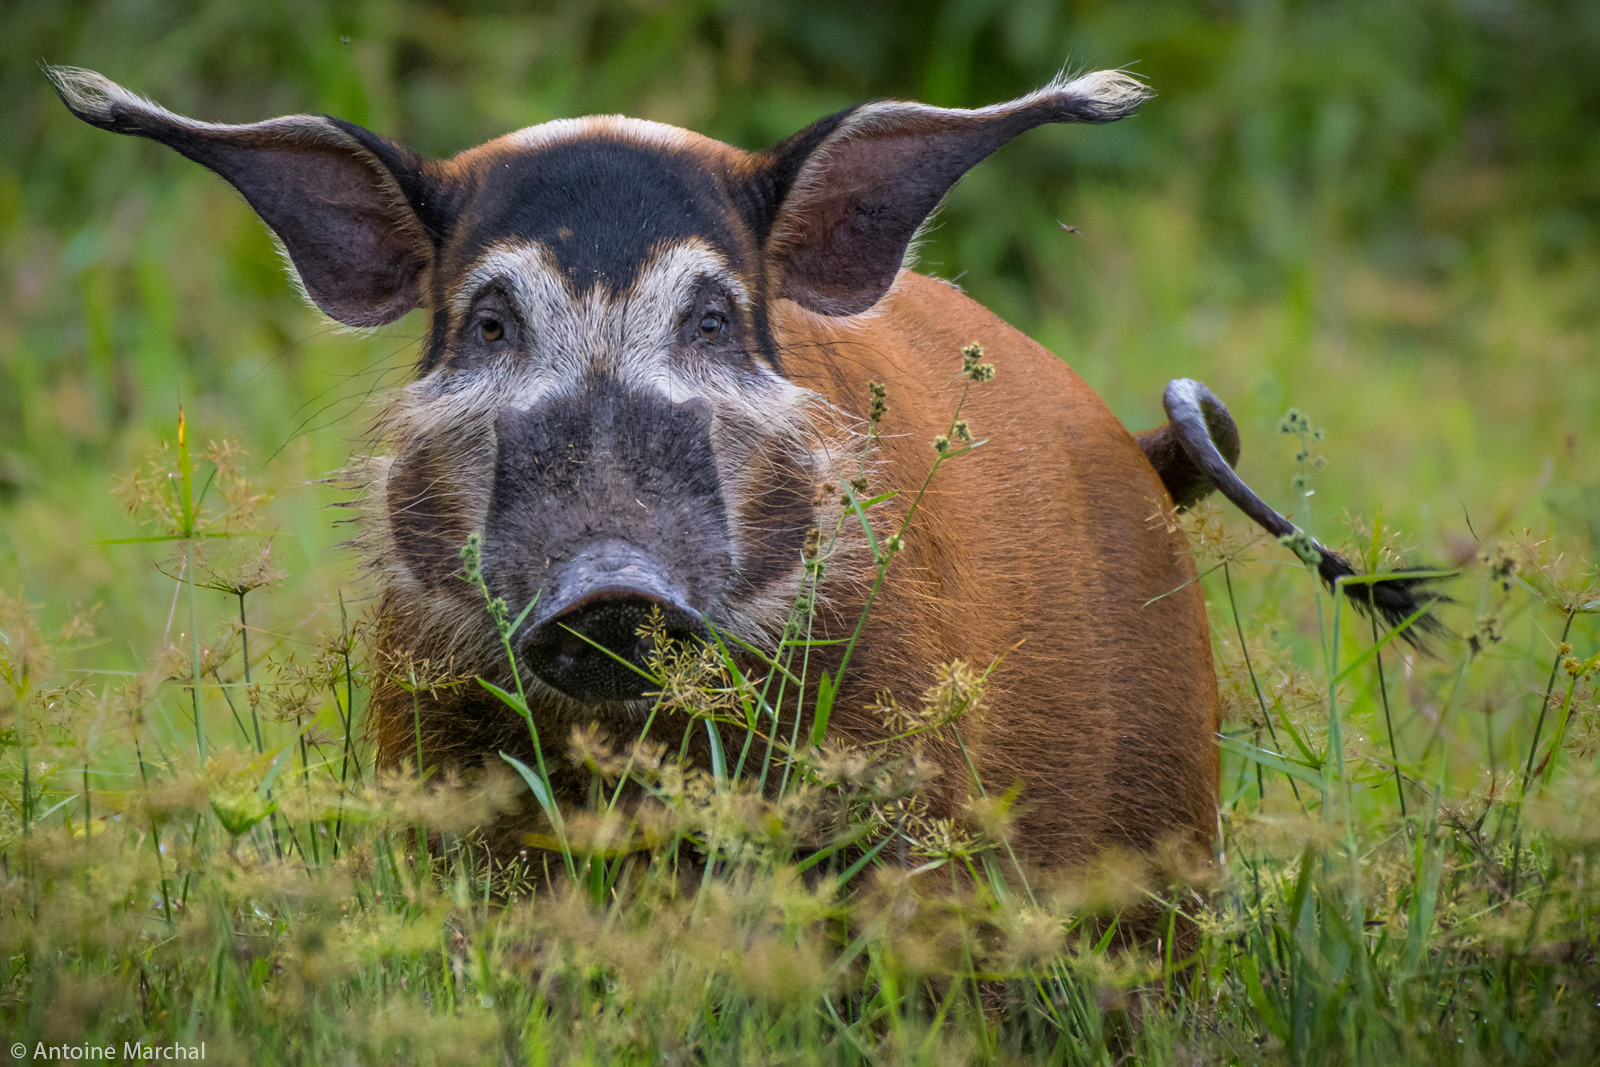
(847, 194)
(340, 198)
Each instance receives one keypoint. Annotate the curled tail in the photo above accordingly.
(1185, 453)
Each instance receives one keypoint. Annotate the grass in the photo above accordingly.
(1382, 214)
(204, 851)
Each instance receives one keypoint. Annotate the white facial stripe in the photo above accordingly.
(620, 127)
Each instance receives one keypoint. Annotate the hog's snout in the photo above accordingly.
(607, 506)
(605, 597)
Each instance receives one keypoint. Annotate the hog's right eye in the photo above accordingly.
(489, 332)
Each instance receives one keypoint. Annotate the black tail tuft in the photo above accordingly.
(1393, 601)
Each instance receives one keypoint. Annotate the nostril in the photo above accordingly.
(566, 649)
(676, 636)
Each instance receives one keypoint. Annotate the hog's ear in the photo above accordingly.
(339, 197)
(848, 193)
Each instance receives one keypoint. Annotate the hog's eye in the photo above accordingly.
(711, 326)
(491, 330)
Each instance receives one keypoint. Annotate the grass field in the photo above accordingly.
(1384, 216)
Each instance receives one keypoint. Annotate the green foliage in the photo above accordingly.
(1385, 214)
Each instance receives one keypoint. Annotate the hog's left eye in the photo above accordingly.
(711, 326)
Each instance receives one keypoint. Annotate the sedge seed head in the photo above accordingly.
(472, 558)
(972, 367)
(879, 394)
(1302, 545)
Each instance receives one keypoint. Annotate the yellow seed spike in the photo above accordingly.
(185, 476)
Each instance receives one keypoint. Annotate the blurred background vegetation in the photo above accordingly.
(1386, 214)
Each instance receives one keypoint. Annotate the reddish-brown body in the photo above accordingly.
(1044, 550)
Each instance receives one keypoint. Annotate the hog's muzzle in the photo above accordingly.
(593, 641)
(607, 509)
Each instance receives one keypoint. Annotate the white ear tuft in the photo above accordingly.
(96, 99)
(1110, 94)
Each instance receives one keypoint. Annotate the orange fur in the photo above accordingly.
(1039, 548)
